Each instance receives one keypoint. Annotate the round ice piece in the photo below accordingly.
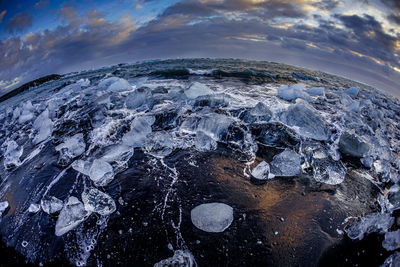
(212, 217)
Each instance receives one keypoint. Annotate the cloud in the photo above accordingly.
(19, 23)
(2, 13)
(82, 40)
(9, 84)
(392, 3)
(262, 8)
(368, 38)
(349, 45)
(67, 14)
(42, 4)
(326, 5)
(394, 18)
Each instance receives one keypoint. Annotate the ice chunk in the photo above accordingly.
(392, 261)
(69, 89)
(72, 214)
(73, 146)
(367, 161)
(83, 82)
(373, 222)
(166, 117)
(82, 166)
(12, 155)
(101, 172)
(306, 121)
(212, 217)
(115, 84)
(44, 126)
(203, 142)
(181, 258)
(33, 208)
(215, 125)
(382, 168)
(160, 144)
(198, 89)
(393, 197)
(214, 100)
(275, 134)
(53, 105)
(349, 103)
(27, 112)
(258, 113)
(137, 98)
(140, 128)
(326, 169)
(3, 207)
(261, 111)
(117, 153)
(292, 92)
(189, 125)
(16, 113)
(317, 91)
(96, 201)
(353, 91)
(392, 240)
(119, 85)
(286, 163)
(262, 171)
(353, 145)
(107, 82)
(51, 205)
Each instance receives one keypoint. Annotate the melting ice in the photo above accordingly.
(96, 124)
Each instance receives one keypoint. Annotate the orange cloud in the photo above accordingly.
(2, 13)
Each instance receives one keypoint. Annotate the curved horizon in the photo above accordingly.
(359, 40)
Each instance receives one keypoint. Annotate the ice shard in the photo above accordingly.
(101, 172)
(72, 214)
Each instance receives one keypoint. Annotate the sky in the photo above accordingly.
(357, 39)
